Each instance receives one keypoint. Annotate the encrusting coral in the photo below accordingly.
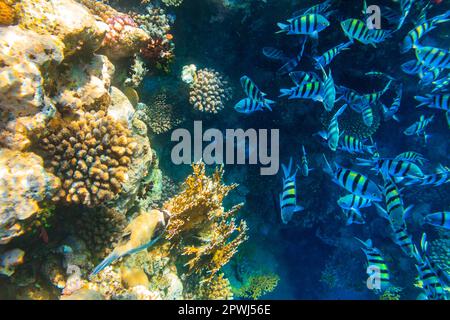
(90, 155)
(209, 92)
(198, 211)
(23, 184)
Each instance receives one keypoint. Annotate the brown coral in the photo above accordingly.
(219, 288)
(91, 156)
(210, 234)
(7, 14)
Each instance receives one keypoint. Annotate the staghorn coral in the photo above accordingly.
(219, 288)
(209, 92)
(91, 155)
(7, 13)
(159, 115)
(352, 122)
(209, 234)
(258, 285)
(100, 230)
(23, 184)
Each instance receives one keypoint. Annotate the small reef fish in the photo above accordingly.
(436, 101)
(367, 115)
(274, 54)
(411, 67)
(248, 106)
(328, 91)
(300, 77)
(353, 217)
(418, 128)
(307, 90)
(393, 167)
(291, 64)
(427, 75)
(354, 182)
(351, 201)
(355, 29)
(354, 145)
(405, 6)
(431, 283)
(326, 58)
(141, 233)
(253, 92)
(333, 133)
(379, 35)
(441, 84)
(441, 177)
(304, 168)
(438, 219)
(376, 260)
(411, 156)
(432, 57)
(288, 198)
(309, 24)
(391, 113)
(318, 8)
(403, 239)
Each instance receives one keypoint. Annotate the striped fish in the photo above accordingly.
(333, 134)
(403, 239)
(353, 216)
(436, 101)
(411, 67)
(418, 128)
(376, 260)
(288, 198)
(419, 31)
(291, 64)
(427, 75)
(439, 219)
(433, 57)
(405, 6)
(411, 156)
(393, 168)
(274, 54)
(354, 182)
(372, 98)
(328, 91)
(391, 113)
(300, 77)
(379, 35)
(367, 115)
(309, 24)
(307, 90)
(441, 84)
(379, 74)
(356, 29)
(441, 177)
(350, 201)
(351, 97)
(431, 283)
(304, 168)
(354, 145)
(248, 106)
(253, 92)
(326, 58)
(318, 8)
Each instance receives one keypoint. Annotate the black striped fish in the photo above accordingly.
(367, 115)
(376, 263)
(441, 177)
(358, 30)
(328, 91)
(411, 67)
(371, 98)
(318, 8)
(274, 54)
(253, 92)
(354, 145)
(441, 84)
(309, 24)
(431, 283)
(351, 205)
(354, 182)
(411, 156)
(353, 216)
(438, 219)
(433, 57)
(248, 106)
(405, 6)
(326, 58)
(288, 198)
(427, 75)
(307, 90)
(300, 77)
(403, 239)
(418, 127)
(419, 31)
(351, 97)
(333, 133)
(437, 101)
(379, 35)
(392, 167)
(304, 168)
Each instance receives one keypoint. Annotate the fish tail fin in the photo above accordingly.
(367, 243)
(381, 211)
(106, 262)
(423, 100)
(287, 170)
(328, 169)
(284, 92)
(283, 27)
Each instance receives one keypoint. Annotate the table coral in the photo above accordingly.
(209, 92)
(210, 235)
(23, 184)
(91, 156)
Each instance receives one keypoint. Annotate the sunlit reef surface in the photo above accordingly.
(90, 94)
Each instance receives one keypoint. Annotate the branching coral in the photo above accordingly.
(91, 156)
(23, 184)
(206, 229)
(159, 115)
(210, 91)
(258, 285)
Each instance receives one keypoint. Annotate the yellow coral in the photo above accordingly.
(257, 286)
(199, 219)
(218, 288)
(7, 13)
(91, 156)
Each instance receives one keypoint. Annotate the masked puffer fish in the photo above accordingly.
(142, 232)
(288, 198)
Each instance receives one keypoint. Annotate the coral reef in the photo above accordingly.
(90, 155)
(257, 286)
(391, 293)
(172, 3)
(7, 13)
(439, 253)
(210, 91)
(198, 211)
(9, 260)
(218, 288)
(138, 72)
(159, 115)
(23, 184)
